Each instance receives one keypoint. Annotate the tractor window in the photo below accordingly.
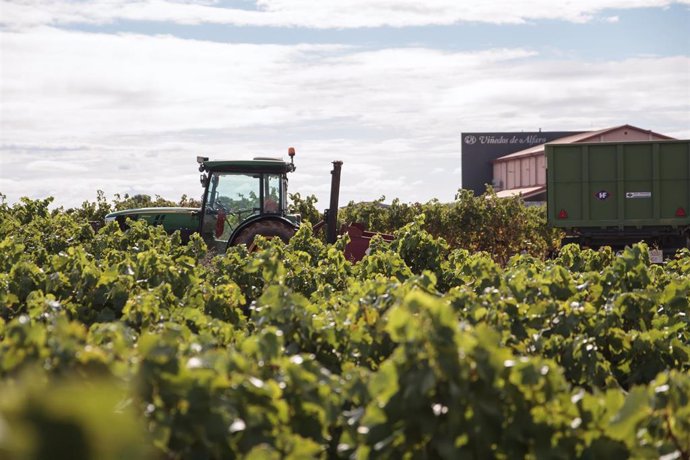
(231, 199)
(272, 194)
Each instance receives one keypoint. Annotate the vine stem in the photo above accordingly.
(684, 455)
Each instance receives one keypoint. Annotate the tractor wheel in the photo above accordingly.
(269, 228)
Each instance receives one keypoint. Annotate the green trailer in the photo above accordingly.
(619, 193)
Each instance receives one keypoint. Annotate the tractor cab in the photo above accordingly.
(243, 194)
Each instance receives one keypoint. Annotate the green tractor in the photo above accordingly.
(242, 199)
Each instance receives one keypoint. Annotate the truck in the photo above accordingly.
(243, 199)
(619, 193)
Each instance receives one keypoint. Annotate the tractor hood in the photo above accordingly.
(172, 219)
(142, 211)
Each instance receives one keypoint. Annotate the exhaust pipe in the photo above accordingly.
(332, 211)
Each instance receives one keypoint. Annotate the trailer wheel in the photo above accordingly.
(268, 228)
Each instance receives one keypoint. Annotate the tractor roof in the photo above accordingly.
(263, 165)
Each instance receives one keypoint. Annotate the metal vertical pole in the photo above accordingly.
(585, 192)
(331, 231)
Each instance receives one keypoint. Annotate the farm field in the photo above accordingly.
(475, 345)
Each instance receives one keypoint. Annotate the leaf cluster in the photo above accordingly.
(502, 227)
(133, 344)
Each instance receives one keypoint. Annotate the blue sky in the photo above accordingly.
(653, 31)
(121, 95)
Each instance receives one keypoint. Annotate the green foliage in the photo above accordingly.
(145, 201)
(306, 207)
(418, 248)
(500, 226)
(69, 419)
(132, 345)
(93, 211)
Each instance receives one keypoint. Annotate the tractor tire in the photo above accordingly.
(269, 228)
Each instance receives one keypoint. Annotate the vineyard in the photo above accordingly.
(469, 336)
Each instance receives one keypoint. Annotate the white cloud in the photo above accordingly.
(308, 13)
(56, 167)
(129, 113)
